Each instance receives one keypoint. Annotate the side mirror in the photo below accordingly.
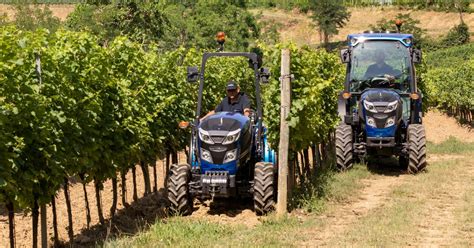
(416, 56)
(264, 75)
(192, 74)
(345, 56)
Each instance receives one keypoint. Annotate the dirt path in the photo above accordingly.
(235, 212)
(439, 225)
(373, 196)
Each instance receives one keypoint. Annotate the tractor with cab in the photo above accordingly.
(380, 107)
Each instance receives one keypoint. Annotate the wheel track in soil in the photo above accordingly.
(374, 195)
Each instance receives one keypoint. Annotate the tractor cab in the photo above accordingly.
(380, 100)
(228, 153)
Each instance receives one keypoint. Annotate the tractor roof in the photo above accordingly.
(405, 39)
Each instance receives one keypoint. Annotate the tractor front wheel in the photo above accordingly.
(264, 188)
(344, 158)
(178, 189)
(416, 148)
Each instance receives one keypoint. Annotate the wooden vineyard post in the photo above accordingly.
(43, 217)
(284, 134)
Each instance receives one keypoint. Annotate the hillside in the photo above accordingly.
(298, 27)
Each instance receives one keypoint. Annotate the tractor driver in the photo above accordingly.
(235, 101)
(380, 68)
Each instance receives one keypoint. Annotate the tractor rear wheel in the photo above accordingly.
(416, 148)
(178, 189)
(344, 159)
(264, 188)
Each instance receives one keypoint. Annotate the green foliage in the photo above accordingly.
(448, 79)
(409, 26)
(318, 78)
(32, 18)
(441, 5)
(329, 15)
(449, 57)
(449, 86)
(98, 109)
(98, 20)
(3, 19)
(171, 25)
(143, 22)
(458, 35)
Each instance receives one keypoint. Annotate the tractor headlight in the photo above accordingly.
(391, 107)
(205, 137)
(371, 122)
(370, 106)
(390, 121)
(230, 156)
(231, 137)
(206, 155)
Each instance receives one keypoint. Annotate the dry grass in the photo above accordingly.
(298, 27)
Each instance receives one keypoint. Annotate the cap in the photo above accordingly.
(231, 85)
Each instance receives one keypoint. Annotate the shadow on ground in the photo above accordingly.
(229, 207)
(387, 166)
(128, 221)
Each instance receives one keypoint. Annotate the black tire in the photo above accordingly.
(416, 148)
(344, 156)
(178, 189)
(264, 188)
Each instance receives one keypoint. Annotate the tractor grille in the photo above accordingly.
(380, 109)
(218, 139)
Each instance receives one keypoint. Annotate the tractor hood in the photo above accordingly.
(381, 111)
(380, 96)
(224, 122)
(224, 141)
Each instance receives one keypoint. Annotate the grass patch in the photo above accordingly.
(184, 232)
(176, 230)
(327, 185)
(465, 219)
(451, 145)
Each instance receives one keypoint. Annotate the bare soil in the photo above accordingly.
(223, 211)
(439, 127)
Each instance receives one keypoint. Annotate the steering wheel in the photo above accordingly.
(382, 81)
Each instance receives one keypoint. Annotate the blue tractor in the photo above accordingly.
(228, 153)
(380, 106)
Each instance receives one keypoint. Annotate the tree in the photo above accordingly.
(32, 18)
(329, 15)
(171, 25)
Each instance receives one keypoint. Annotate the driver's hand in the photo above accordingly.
(389, 77)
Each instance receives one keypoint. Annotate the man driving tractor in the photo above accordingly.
(236, 101)
(380, 68)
